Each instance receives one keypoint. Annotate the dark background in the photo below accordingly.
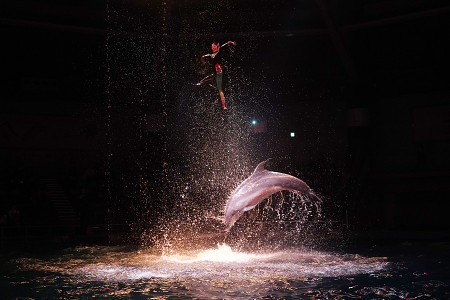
(99, 115)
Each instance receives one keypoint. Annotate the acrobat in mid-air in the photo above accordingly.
(216, 60)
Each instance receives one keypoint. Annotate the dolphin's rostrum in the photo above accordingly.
(260, 185)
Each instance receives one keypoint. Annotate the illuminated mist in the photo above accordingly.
(174, 155)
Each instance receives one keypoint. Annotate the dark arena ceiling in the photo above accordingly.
(397, 45)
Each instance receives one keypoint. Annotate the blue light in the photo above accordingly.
(254, 122)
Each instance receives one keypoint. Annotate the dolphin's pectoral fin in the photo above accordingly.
(249, 207)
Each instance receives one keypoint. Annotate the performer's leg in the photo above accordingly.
(219, 76)
(222, 97)
(206, 79)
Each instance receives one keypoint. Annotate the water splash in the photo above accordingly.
(223, 253)
(220, 272)
(215, 264)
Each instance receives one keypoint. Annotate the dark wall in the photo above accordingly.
(112, 88)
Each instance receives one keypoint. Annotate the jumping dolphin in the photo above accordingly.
(260, 185)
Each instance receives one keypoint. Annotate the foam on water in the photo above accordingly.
(223, 253)
(218, 273)
(221, 263)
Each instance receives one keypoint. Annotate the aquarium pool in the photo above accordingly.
(223, 273)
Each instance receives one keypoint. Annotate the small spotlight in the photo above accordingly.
(254, 122)
(292, 134)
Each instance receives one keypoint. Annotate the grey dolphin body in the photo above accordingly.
(260, 185)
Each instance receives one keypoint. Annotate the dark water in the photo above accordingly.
(222, 273)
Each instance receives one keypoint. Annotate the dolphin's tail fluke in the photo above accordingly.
(314, 197)
(310, 195)
(316, 201)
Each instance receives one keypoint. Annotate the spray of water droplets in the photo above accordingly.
(174, 154)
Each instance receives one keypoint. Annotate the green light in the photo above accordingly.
(254, 122)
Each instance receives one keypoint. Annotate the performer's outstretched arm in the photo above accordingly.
(229, 42)
(206, 79)
(203, 58)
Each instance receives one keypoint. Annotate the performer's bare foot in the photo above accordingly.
(222, 97)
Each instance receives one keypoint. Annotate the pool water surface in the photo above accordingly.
(222, 273)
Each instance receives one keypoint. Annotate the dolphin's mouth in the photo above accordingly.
(229, 222)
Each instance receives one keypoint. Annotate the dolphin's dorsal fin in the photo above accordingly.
(260, 167)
